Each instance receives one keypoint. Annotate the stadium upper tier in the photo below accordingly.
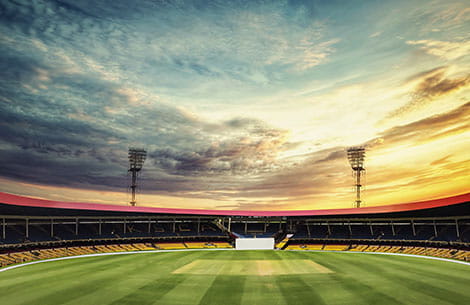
(19, 205)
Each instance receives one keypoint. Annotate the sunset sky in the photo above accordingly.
(240, 104)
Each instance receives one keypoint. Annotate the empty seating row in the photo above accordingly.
(26, 256)
(385, 232)
(17, 234)
(429, 251)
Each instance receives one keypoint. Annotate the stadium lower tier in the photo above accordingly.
(39, 254)
(415, 250)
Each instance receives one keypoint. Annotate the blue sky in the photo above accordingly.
(240, 104)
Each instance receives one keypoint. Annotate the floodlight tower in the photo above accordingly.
(356, 157)
(136, 160)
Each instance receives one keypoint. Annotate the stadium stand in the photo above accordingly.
(33, 229)
(38, 254)
(438, 252)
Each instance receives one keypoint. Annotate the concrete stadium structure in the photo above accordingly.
(33, 229)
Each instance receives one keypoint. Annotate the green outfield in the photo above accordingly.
(238, 277)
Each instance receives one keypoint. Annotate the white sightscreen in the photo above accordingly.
(254, 243)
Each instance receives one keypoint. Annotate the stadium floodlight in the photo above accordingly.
(136, 161)
(356, 156)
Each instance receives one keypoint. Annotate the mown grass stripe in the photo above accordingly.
(137, 276)
(224, 290)
(442, 290)
(455, 272)
(152, 291)
(78, 285)
(151, 281)
(192, 289)
(388, 282)
(22, 276)
(261, 291)
(366, 280)
(296, 291)
(53, 277)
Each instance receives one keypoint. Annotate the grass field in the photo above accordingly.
(238, 277)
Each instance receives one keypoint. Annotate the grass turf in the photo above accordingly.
(153, 278)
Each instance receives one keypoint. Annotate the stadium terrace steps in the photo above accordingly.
(26, 256)
(170, 246)
(305, 247)
(282, 244)
(438, 252)
(335, 247)
(207, 245)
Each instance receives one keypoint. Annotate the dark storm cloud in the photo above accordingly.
(61, 170)
(251, 154)
(79, 135)
(47, 137)
(56, 150)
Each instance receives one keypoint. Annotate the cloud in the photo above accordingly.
(443, 160)
(435, 84)
(451, 16)
(21, 70)
(444, 49)
(328, 169)
(316, 175)
(262, 205)
(208, 88)
(253, 153)
(80, 140)
(195, 50)
(333, 156)
(315, 53)
(429, 86)
(428, 129)
(375, 34)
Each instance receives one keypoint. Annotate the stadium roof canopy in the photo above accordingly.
(18, 205)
